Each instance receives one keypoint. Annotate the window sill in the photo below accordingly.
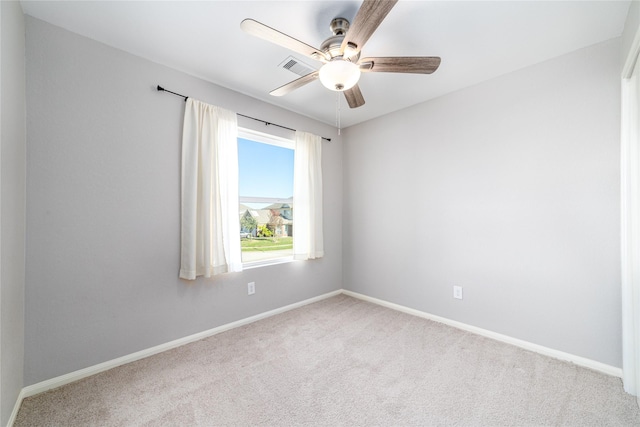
(267, 262)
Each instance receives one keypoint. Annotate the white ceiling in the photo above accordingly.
(477, 40)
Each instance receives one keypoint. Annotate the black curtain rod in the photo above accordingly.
(161, 89)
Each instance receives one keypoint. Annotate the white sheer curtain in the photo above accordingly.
(631, 230)
(210, 226)
(307, 197)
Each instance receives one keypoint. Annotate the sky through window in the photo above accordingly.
(265, 170)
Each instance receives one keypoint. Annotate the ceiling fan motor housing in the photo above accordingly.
(331, 46)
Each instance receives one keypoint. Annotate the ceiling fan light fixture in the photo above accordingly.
(339, 75)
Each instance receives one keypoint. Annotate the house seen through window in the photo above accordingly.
(266, 197)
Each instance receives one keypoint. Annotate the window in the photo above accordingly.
(266, 197)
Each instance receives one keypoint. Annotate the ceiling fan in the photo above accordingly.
(340, 53)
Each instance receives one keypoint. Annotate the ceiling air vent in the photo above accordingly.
(295, 66)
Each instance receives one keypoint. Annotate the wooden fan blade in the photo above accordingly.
(354, 97)
(368, 18)
(400, 64)
(265, 32)
(291, 86)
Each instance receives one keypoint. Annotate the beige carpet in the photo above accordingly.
(339, 362)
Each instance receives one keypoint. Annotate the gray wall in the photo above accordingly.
(12, 205)
(510, 189)
(103, 209)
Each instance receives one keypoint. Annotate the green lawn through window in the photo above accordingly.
(264, 244)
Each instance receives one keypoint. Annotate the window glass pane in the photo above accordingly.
(265, 170)
(265, 208)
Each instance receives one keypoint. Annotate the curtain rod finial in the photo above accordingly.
(160, 88)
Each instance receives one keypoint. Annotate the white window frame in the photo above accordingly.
(264, 138)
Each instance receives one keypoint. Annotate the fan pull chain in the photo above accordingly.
(338, 111)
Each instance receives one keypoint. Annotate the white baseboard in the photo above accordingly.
(546, 351)
(16, 408)
(92, 370)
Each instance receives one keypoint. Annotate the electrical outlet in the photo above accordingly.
(251, 288)
(457, 292)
